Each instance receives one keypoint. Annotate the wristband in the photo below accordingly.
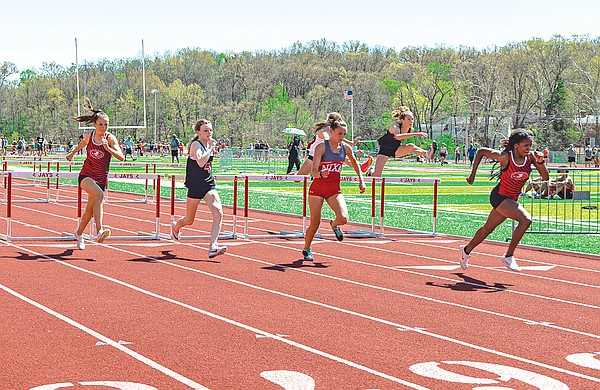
(540, 162)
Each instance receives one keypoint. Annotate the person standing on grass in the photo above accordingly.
(572, 156)
(390, 144)
(200, 183)
(294, 154)
(515, 166)
(100, 146)
(327, 167)
(174, 149)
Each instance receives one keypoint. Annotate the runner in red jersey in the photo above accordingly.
(101, 146)
(515, 162)
(327, 165)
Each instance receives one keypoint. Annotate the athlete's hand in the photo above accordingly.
(471, 179)
(361, 187)
(324, 174)
(539, 157)
(105, 142)
(212, 142)
(420, 134)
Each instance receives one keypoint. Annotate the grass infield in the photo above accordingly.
(462, 209)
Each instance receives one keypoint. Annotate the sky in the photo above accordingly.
(42, 31)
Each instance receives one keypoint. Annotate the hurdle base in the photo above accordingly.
(361, 234)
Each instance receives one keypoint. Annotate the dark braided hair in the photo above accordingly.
(509, 144)
(87, 119)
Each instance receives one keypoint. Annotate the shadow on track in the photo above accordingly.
(471, 284)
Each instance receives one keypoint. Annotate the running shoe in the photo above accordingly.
(338, 232)
(464, 257)
(511, 263)
(216, 251)
(174, 234)
(308, 256)
(80, 242)
(103, 235)
(364, 166)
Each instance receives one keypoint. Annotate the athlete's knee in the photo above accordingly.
(525, 221)
(342, 219)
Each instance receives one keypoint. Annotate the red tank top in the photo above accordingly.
(97, 162)
(514, 177)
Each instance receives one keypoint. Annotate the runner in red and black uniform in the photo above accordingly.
(515, 163)
(327, 166)
(101, 146)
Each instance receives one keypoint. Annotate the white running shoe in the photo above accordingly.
(216, 251)
(464, 257)
(80, 242)
(103, 235)
(511, 263)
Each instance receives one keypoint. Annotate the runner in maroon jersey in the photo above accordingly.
(93, 178)
(327, 166)
(515, 162)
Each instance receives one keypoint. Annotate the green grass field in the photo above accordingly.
(462, 209)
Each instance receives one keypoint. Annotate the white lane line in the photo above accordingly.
(108, 341)
(217, 317)
(433, 335)
(350, 312)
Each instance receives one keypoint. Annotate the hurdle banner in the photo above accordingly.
(69, 236)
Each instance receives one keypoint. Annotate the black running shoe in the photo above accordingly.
(308, 256)
(338, 232)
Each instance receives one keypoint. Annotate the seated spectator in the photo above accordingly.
(562, 186)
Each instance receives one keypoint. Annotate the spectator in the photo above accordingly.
(587, 153)
(174, 149)
(572, 156)
(294, 154)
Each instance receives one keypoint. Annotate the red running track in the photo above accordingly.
(367, 314)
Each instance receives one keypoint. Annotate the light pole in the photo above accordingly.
(155, 92)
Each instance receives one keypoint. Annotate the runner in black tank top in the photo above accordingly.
(201, 185)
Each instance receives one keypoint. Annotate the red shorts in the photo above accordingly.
(320, 187)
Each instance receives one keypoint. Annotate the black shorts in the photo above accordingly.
(128, 151)
(199, 192)
(496, 198)
(81, 177)
(388, 147)
(571, 159)
(174, 153)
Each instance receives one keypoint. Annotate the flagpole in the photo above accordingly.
(352, 119)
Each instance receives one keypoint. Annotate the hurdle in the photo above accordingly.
(375, 231)
(296, 233)
(69, 236)
(223, 234)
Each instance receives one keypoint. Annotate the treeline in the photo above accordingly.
(544, 86)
